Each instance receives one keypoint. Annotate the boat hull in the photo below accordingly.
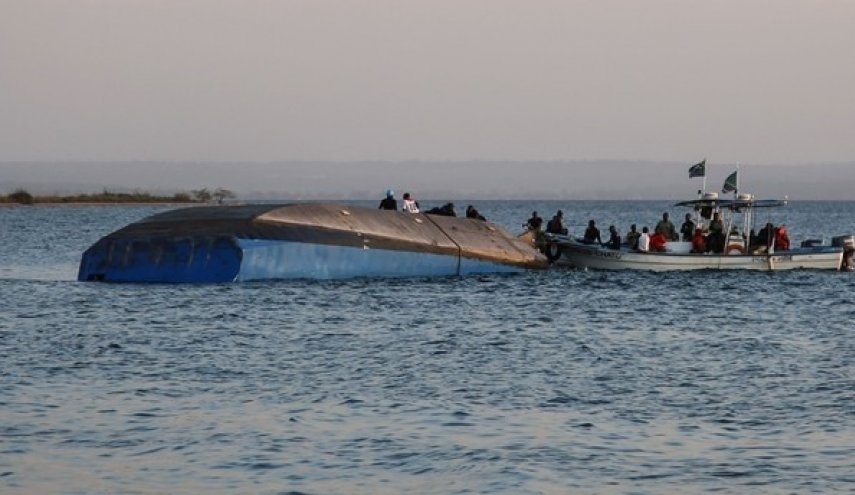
(579, 255)
(307, 241)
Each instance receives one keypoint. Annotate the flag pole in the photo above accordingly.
(736, 191)
(701, 196)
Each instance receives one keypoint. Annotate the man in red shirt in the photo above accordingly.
(699, 243)
(782, 239)
(657, 242)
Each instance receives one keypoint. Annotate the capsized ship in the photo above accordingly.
(301, 241)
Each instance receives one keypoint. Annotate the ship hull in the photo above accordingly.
(307, 241)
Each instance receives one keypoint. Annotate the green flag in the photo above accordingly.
(730, 183)
(698, 169)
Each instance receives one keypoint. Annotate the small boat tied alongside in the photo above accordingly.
(738, 249)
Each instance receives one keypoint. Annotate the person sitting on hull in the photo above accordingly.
(592, 234)
(632, 237)
(471, 212)
(644, 240)
(410, 204)
(688, 228)
(666, 228)
(389, 202)
(614, 238)
(446, 210)
(534, 223)
(556, 225)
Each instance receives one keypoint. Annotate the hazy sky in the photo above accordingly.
(202, 80)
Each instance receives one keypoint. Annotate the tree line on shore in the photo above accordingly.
(24, 197)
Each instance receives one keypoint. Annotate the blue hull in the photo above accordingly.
(182, 261)
(293, 260)
(242, 260)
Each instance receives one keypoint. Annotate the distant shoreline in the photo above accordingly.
(103, 203)
(198, 197)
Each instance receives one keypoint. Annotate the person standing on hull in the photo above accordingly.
(389, 202)
(666, 228)
(410, 204)
(688, 228)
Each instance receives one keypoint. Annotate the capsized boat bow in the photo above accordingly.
(308, 240)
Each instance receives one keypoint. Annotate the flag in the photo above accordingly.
(698, 169)
(729, 183)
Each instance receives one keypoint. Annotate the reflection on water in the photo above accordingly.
(555, 382)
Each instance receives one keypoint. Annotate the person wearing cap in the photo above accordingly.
(389, 202)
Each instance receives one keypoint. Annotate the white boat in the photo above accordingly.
(578, 255)
(568, 251)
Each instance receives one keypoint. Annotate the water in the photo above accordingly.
(556, 382)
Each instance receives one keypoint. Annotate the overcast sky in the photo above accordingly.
(203, 80)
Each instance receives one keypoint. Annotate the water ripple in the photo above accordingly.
(555, 382)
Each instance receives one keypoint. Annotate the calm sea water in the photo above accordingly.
(555, 382)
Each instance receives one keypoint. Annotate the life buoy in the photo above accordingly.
(553, 251)
(735, 248)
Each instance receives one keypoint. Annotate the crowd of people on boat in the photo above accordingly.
(711, 238)
(704, 239)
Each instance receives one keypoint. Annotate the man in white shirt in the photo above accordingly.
(644, 240)
(410, 204)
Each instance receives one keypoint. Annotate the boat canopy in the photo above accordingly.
(732, 204)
